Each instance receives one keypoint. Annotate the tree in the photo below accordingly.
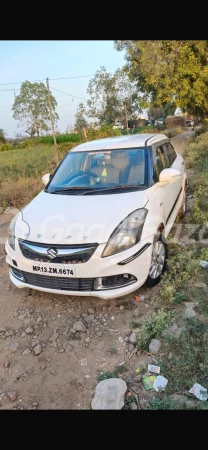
(155, 112)
(169, 71)
(2, 136)
(110, 94)
(80, 122)
(31, 108)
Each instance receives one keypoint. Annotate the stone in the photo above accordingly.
(104, 308)
(173, 332)
(29, 330)
(131, 348)
(79, 326)
(132, 338)
(170, 356)
(91, 311)
(154, 346)
(112, 318)
(109, 394)
(89, 318)
(180, 399)
(132, 406)
(121, 307)
(39, 319)
(13, 347)
(26, 352)
(99, 333)
(6, 364)
(12, 396)
(137, 312)
(191, 404)
(37, 349)
(23, 334)
(137, 378)
(3, 330)
(188, 313)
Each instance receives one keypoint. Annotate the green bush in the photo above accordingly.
(154, 325)
(48, 140)
(6, 147)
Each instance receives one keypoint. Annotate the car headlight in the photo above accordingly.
(127, 234)
(11, 238)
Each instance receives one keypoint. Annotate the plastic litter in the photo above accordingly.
(148, 382)
(160, 383)
(204, 264)
(199, 391)
(154, 369)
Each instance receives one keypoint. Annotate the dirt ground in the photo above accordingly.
(43, 364)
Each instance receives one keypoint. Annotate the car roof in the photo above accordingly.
(123, 142)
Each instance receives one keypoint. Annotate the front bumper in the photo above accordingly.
(96, 267)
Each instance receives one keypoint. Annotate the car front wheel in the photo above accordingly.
(158, 262)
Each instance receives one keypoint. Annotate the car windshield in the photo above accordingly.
(97, 171)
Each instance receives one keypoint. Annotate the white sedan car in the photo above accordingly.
(99, 227)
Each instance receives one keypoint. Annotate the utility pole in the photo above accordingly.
(52, 124)
(126, 118)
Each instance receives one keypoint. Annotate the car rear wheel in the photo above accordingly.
(158, 262)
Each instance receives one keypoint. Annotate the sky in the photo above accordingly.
(36, 60)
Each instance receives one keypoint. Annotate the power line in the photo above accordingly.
(43, 79)
(75, 96)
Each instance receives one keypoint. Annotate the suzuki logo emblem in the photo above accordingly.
(52, 253)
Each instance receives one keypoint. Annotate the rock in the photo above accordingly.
(131, 348)
(137, 312)
(99, 333)
(109, 394)
(154, 346)
(173, 332)
(23, 334)
(79, 326)
(191, 404)
(39, 319)
(121, 307)
(29, 330)
(91, 311)
(6, 364)
(180, 399)
(132, 406)
(37, 349)
(12, 396)
(170, 356)
(13, 347)
(132, 338)
(104, 308)
(26, 352)
(204, 264)
(89, 318)
(112, 318)
(188, 313)
(3, 330)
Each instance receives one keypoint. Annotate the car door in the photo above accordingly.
(173, 191)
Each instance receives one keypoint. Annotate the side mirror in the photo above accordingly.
(168, 176)
(46, 178)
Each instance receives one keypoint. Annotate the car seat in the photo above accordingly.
(136, 174)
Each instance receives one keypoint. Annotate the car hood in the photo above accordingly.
(75, 219)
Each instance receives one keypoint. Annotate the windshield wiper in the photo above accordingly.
(113, 188)
(89, 190)
(75, 188)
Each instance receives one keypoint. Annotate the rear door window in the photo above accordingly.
(161, 162)
(170, 152)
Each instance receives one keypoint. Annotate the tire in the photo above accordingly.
(183, 208)
(159, 246)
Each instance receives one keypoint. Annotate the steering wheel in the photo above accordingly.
(87, 172)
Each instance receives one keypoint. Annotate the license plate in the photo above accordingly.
(64, 271)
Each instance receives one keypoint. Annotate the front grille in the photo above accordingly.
(59, 283)
(78, 254)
